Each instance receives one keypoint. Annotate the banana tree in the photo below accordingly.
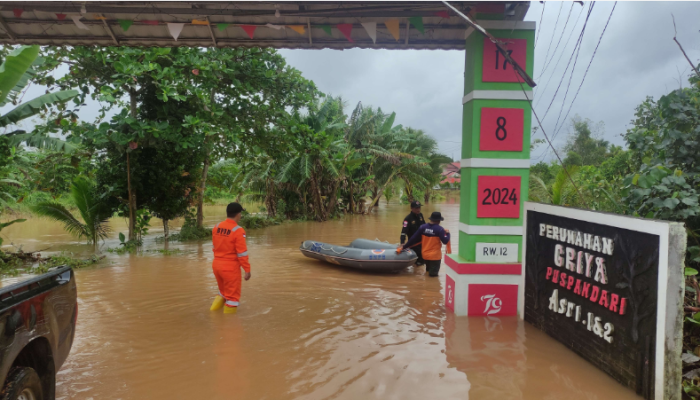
(15, 73)
(313, 155)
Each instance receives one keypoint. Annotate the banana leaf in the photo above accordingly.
(22, 83)
(14, 67)
(33, 107)
(40, 141)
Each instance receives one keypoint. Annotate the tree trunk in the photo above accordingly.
(333, 198)
(318, 202)
(166, 229)
(270, 199)
(205, 170)
(409, 191)
(379, 191)
(426, 196)
(132, 195)
(352, 199)
(200, 200)
(132, 202)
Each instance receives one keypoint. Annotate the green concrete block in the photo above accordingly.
(467, 244)
(471, 123)
(474, 60)
(468, 192)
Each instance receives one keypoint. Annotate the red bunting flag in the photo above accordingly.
(442, 14)
(18, 12)
(249, 29)
(61, 17)
(346, 30)
(149, 22)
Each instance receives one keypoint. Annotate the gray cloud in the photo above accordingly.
(636, 58)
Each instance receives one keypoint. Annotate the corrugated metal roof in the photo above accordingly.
(51, 23)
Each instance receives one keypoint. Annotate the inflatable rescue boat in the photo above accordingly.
(364, 254)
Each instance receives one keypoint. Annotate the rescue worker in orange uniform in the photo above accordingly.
(230, 255)
(431, 236)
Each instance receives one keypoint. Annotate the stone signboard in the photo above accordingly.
(610, 288)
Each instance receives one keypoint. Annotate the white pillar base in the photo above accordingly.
(482, 289)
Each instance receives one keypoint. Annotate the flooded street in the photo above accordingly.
(305, 329)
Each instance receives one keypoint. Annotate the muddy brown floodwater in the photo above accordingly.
(305, 329)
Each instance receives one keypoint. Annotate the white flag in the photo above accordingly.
(175, 29)
(276, 27)
(371, 28)
(76, 21)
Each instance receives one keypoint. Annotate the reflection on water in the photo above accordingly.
(305, 329)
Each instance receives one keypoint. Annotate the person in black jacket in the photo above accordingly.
(411, 223)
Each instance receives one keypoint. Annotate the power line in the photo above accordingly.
(576, 46)
(586, 73)
(568, 40)
(554, 31)
(539, 26)
(552, 147)
(575, 51)
(568, 86)
(559, 42)
(578, 42)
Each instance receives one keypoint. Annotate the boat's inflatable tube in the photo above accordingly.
(364, 254)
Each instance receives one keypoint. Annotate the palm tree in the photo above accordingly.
(93, 211)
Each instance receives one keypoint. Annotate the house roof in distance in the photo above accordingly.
(218, 24)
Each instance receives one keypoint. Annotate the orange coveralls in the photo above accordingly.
(230, 255)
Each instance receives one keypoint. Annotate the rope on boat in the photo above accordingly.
(377, 240)
(333, 250)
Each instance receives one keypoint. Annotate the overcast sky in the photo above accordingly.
(636, 58)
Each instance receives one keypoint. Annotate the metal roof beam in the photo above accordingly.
(328, 13)
(109, 30)
(114, 22)
(7, 28)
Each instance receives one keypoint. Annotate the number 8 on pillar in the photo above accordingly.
(501, 129)
(498, 197)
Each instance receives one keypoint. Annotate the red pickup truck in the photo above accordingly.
(37, 326)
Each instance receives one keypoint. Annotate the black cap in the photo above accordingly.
(436, 216)
(415, 204)
(232, 209)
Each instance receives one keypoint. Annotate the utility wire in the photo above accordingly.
(554, 31)
(548, 63)
(576, 48)
(568, 40)
(539, 26)
(578, 44)
(552, 147)
(586, 73)
(568, 86)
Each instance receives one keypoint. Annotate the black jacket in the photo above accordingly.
(410, 226)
